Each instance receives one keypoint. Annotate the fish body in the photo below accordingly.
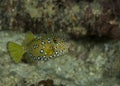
(37, 48)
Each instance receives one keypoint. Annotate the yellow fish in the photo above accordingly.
(37, 48)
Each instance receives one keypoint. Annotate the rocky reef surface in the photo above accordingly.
(93, 58)
(87, 63)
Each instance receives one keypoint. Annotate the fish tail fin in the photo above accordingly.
(16, 51)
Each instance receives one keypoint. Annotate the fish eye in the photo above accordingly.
(55, 40)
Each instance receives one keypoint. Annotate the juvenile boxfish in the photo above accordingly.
(36, 48)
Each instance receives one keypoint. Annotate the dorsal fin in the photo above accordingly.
(29, 36)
